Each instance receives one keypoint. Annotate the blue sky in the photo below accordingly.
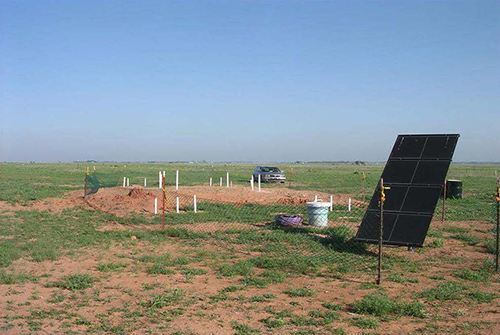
(241, 80)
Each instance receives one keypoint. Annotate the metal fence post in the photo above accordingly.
(381, 230)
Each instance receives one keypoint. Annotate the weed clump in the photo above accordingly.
(455, 291)
(379, 304)
(168, 297)
(300, 292)
(475, 276)
(7, 278)
(443, 292)
(111, 266)
(365, 323)
(74, 282)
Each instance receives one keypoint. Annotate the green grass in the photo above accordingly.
(455, 291)
(159, 269)
(468, 238)
(327, 317)
(167, 298)
(111, 266)
(397, 278)
(300, 292)
(241, 268)
(365, 323)
(443, 292)
(272, 322)
(481, 297)
(243, 329)
(481, 275)
(9, 278)
(190, 272)
(74, 282)
(262, 298)
(331, 306)
(491, 246)
(380, 305)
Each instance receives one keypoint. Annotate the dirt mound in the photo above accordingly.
(137, 192)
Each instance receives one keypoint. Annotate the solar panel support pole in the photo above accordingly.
(444, 202)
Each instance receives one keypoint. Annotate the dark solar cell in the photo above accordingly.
(410, 229)
(399, 171)
(421, 199)
(408, 147)
(431, 172)
(439, 147)
(369, 230)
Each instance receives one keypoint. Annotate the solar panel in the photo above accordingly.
(415, 172)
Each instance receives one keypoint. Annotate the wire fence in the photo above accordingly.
(281, 227)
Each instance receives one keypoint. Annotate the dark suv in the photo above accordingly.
(269, 174)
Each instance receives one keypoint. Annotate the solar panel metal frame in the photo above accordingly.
(415, 172)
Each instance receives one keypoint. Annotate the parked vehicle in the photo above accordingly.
(269, 174)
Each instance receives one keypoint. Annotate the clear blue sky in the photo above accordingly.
(241, 80)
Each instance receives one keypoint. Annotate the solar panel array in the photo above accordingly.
(415, 172)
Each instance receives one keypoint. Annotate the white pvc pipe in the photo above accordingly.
(331, 203)
(177, 204)
(315, 198)
(159, 179)
(176, 179)
(227, 179)
(220, 181)
(144, 182)
(349, 205)
(124, 181)
(210, 181)
(194, 204)
(128, 182)
(258, 182)
(252, 182)
(156, 205)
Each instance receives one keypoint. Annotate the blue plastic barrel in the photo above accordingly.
(318, 213)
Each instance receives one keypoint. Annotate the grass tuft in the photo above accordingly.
(379, 304)
(74, 282)
(300, 292)
(111, 266)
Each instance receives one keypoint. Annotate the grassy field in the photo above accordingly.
(83, 270)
